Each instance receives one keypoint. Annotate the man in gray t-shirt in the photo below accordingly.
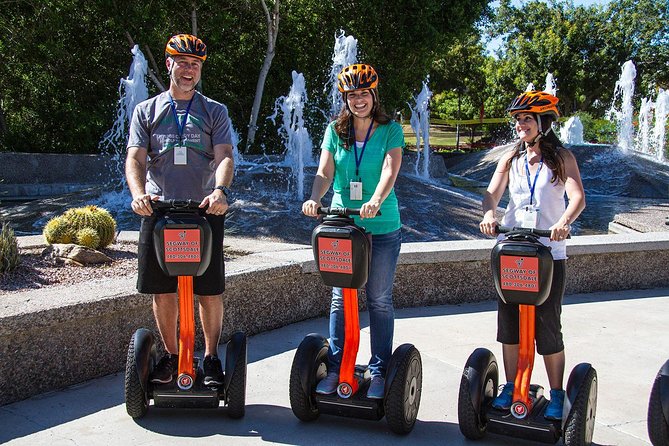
(180, 147)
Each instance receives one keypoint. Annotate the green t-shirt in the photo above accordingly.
(386, 137)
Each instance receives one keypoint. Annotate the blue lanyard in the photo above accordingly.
(358, 161)
(536, 175)
(181, 126)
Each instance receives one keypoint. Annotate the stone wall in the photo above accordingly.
(57, 337)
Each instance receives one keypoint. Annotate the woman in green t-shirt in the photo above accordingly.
(361, 156)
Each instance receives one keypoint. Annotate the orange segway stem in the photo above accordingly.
(186, 332)
(348, 385)
(522, 404)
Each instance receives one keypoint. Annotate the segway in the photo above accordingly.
(342, 251)
(522, 268)
(182, 240)
(658, 408)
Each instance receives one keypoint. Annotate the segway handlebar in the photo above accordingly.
(176, 205)
(539, 232)
(343, 212)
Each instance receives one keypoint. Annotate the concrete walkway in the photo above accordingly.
(623, 334)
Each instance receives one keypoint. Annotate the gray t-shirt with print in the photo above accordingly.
(154, 128)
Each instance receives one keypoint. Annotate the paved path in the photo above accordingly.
(623, 334)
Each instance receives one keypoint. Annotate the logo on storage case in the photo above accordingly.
(182, 245)
(519, 273)
(335, 255)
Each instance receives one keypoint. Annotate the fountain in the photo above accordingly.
(420, 123)
(624, 91)
(572, 131)
(345, 54)
(294, 134)
(132, 90)
(551, 86)
(661, 113)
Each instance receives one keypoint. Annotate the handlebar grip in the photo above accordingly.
(539, 232)
(338, 211)
(178, 205)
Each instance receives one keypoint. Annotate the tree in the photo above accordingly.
(272, 32)
(583, 47)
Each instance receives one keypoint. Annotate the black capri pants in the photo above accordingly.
(547, 317)
(152, 280)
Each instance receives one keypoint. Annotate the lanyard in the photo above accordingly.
(536, 175)
(358, 161)
(181, 126)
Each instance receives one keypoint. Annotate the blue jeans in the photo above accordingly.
(379, 290)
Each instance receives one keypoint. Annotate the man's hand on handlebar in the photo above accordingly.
(216, 203)
(141, 205)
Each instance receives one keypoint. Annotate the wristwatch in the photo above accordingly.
(223, 189)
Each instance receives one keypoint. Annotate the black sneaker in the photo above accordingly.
(165, 370)
(213, 372)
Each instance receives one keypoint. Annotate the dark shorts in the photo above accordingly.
(547, 317)
(152, 280)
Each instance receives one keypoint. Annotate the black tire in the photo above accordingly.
(658, 425)
(472, 416)
(236, 392)
(402, 399)
(580, 425)
(309, 367)
(136, 395)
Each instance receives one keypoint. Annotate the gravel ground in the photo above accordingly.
(38, 271)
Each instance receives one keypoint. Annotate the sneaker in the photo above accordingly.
(213, 372)
(329, 384)
(554, 409)
(376, 388)
(165, 370)
(505, 397)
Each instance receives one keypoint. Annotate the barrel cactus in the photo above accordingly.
(58, 230)
(68, 227)
(9, 249)
(87, 237)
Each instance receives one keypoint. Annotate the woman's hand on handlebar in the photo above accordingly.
(310, 208)
(369, 209)
(560, 231)
(141, 205)
(488, 225)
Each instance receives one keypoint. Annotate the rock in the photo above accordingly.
(75, 254)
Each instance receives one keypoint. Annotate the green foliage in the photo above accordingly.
(70, 226)
(63, 59)
(595, 130)
(583, 47)
(9, 249)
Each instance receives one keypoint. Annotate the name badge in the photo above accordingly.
(180, 155)
(356, 190)
(530, 217)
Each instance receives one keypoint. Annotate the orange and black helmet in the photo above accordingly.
(358, 76)
(537, 102)
(186, 45)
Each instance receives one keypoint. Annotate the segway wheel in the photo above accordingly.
(658, 425)
(136, 381)
(236, 391)
(402, 398)
(580, 425)
(478, 388)
(309, 367)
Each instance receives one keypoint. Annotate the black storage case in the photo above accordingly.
(341, 250)
(182, 241)
(522, 269)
